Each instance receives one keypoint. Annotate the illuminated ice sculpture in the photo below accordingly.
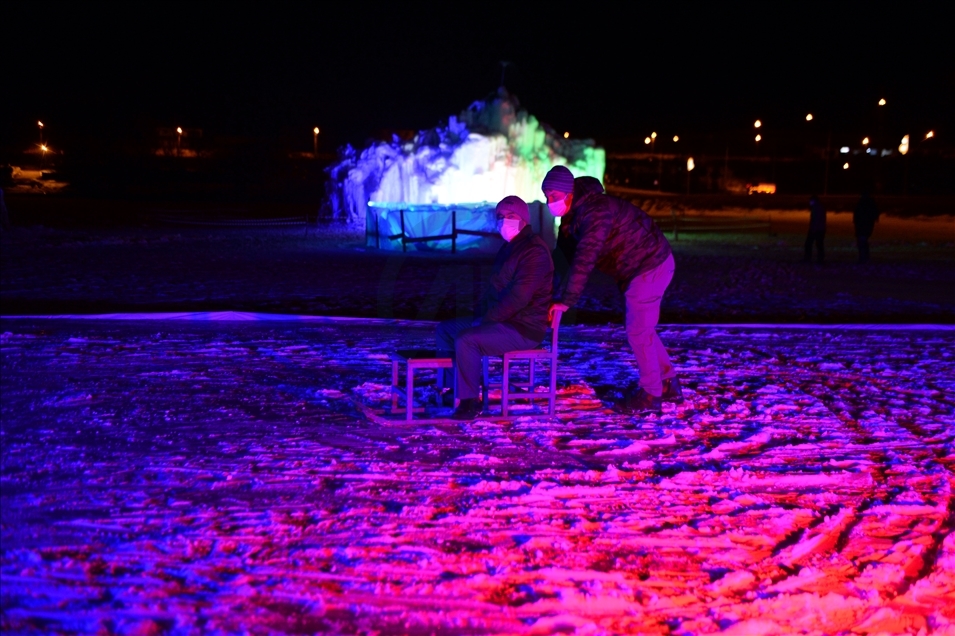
(491, 150)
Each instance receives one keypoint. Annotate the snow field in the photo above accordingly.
(217, 478)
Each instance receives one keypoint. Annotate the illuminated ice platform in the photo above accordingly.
(418, 227)
(437, 191)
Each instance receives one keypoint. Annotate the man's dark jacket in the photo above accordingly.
(521, 286)
(608, 233)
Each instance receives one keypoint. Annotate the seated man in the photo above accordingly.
(512, 314)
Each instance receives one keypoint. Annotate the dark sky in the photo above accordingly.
(353, 68)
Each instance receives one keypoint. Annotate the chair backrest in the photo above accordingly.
(555, 327)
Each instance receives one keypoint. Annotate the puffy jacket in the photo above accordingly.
(521, 286)
(608, 233)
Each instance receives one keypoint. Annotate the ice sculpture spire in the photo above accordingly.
(491, 150)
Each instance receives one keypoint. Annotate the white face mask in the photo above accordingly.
(558, 207)
(510, 228)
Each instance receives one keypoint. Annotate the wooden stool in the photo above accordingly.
(414, 359)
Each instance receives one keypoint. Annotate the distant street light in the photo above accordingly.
(315, 132)
(845, 166)
(566, 135)
(904, 146)
(759, 138)
(809, 117)
(178, 139)
(865, 141)
(676, 138)
(647, 141)
(881, 102)
(930, 134)
(757, 124)
(689, 168)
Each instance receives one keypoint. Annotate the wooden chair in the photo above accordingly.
(511, 390)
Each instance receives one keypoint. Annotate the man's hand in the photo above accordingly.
(556, 307)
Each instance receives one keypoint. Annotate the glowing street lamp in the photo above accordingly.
(759, 138)
(647, 141)
(757, 124)
(676, 138)
(865, 141)
(315, 132)
(904, 146)
(930, 134)
(882, 102)
(845, 166)
(566, 135)
(808, 116)
(689, 168)
(178, 139)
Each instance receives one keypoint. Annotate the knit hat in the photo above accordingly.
(559, 179)
(514, 206)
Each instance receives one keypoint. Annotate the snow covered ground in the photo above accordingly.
(185, 477)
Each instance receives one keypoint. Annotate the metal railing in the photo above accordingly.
(677, 222)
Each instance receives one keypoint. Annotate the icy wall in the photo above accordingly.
(491, 150)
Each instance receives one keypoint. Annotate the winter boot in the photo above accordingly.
(468, 409)
(640, 402)
(672, 391)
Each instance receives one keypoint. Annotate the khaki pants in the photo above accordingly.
(643, 298)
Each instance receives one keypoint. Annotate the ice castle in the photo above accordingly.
(443, 185)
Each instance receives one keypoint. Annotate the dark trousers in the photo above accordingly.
(815, 237)
(863, 243)
(467, 344)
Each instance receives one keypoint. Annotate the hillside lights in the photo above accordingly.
(904, 146)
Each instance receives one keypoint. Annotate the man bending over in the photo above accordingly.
(610, 234)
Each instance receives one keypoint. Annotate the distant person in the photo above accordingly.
(4, 214)
(512, 313)
(864, 218)
(817, 230)
(608, 233)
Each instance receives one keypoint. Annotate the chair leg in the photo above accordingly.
(505, 385)
(409, 395)
(394, 386)
(487, 380)
(553, 387)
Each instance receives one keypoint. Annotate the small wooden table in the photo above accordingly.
(414, 359)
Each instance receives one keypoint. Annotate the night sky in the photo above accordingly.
(356, 69)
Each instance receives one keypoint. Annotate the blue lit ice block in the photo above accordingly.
(408, 226)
